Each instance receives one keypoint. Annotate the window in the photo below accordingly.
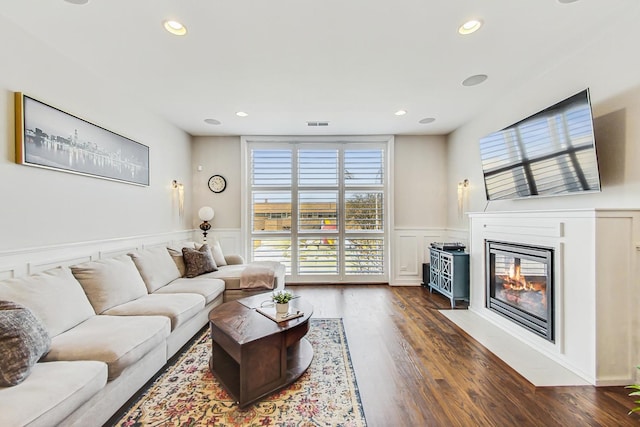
(319, 207)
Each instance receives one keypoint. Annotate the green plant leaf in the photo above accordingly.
(282, 297)
(634, 393)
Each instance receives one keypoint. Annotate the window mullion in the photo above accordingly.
(341, 213)
(295, 189)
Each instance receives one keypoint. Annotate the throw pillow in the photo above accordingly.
(23, 341)
(109, 282)
(176, 253)
(199, 261)
(54, 296)
(218, 256)
(155, 266)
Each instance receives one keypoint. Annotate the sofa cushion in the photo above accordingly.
(54, 296)
(229, 273)
(156, 267)
(110, 282)
(53, 391)
(234, 259)
(209, 288)
(177, 307)
(176, 253)
(118, 341)
(23, 341)
(198, 261)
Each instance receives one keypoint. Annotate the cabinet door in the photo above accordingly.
(434, 269)
(446, 273)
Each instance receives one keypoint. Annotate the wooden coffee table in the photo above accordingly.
(253, 355)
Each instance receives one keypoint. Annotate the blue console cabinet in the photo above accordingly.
(449, 274)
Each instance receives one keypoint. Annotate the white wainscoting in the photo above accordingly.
(410, 249)
(230, 239)
(26, 261)
(458, 235)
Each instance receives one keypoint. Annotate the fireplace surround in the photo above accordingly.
(596, 266)
(519, 285)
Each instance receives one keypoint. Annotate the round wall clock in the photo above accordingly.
(217, 183)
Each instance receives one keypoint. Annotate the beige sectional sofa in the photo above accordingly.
(113, 323)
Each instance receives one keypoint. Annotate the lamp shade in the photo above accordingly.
(206, 213)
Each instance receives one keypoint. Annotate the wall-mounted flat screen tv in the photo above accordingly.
(552, 152)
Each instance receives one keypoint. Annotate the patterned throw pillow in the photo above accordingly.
(199, 261)
(176, 253)
(23, 341)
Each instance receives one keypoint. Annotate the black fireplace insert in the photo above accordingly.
(519, 281)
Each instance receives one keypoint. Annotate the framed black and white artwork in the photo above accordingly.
(50, 138)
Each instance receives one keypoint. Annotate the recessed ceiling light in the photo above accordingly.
(567, 1)
(470, 26)
(400, 112)
(241, 114)
(474, 80)
(174, 27)
(427, 120)
(77, 1)
(212, 122)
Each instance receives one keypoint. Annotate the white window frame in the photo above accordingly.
(386, 141)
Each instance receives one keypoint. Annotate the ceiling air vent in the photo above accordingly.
(317, 123)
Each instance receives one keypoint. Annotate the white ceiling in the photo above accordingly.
(352, 63)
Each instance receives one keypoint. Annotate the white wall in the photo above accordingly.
(419, 181)
(43, 207)
(609, 66)
(218, 155)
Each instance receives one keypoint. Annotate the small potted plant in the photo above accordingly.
(282, 298)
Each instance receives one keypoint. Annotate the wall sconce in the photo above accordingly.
(205, 214)
(463, 193)
(179, 189)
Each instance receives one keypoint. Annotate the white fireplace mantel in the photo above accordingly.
(596, 288)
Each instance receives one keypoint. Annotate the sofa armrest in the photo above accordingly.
(234, 259)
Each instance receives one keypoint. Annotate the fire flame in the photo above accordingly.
(516, 289)
(514, 280)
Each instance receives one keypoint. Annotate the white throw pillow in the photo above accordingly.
(110, 282)
(54, 296)
(156, 267)
(216, 250)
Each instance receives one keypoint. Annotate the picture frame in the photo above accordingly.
(49, 138)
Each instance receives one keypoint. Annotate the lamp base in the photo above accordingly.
(205, 227)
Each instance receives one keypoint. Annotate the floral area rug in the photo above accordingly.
(187, 394)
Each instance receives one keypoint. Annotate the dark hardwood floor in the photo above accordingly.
(416, 368)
